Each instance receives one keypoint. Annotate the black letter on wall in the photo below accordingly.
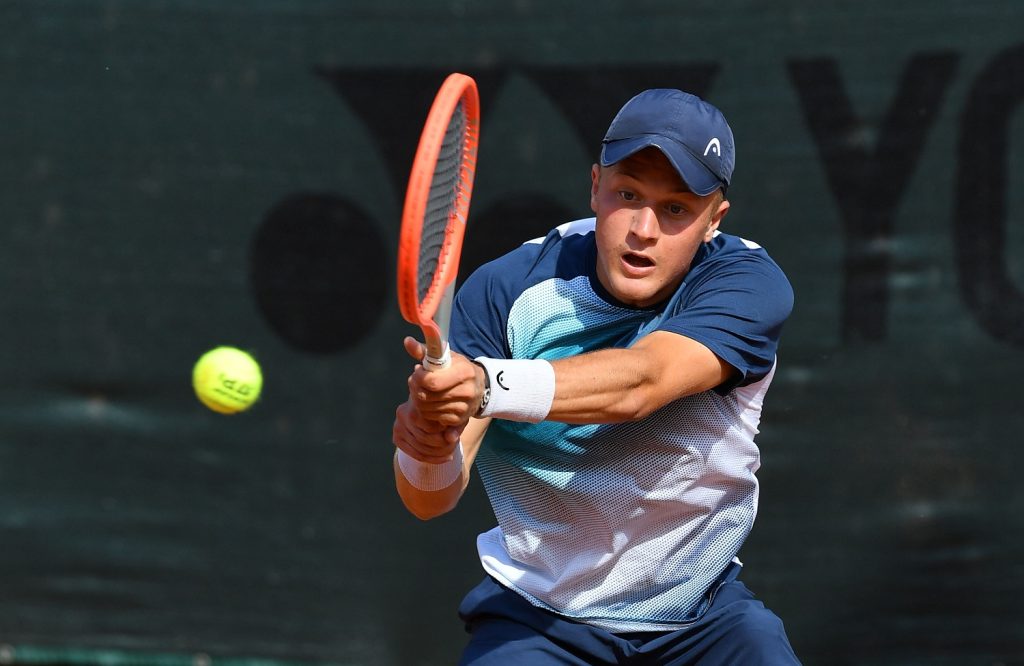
(868, 184)
(979, 222)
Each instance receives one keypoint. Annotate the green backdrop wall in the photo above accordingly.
(178, 174)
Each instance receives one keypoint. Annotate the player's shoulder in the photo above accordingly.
(724, 249)
(562, 252)
(741, 261)
(565, 238)
(723, 243)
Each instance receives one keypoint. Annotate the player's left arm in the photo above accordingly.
(605, 386)
(614, 385)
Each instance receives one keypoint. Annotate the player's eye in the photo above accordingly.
(626, 195)
(676, 209)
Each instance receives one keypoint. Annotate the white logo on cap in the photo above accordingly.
(713, 146)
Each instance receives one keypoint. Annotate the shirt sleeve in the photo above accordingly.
(479, 325)
(478, 319)
(480, 312)
(736, 309)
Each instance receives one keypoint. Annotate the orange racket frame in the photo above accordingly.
(433, 312)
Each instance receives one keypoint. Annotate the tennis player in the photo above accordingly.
(617, 368)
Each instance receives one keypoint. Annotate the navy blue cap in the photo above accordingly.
(692, 134)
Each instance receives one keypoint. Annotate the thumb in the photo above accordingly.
(414, 348)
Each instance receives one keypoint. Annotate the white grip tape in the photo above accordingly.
(439, 363)
(521, 389)
(428, 477)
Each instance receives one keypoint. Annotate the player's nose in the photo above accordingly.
(644, 223)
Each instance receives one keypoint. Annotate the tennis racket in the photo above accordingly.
(435, 211)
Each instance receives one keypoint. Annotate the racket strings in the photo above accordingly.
(445, 190)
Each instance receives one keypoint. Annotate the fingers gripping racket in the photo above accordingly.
(435, 211)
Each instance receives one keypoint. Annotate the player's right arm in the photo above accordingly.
(410, 436)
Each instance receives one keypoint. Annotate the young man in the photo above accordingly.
(617, 368)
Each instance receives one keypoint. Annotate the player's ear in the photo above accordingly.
(717, 215)
(595, 179)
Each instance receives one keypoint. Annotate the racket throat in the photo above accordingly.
(438, 354)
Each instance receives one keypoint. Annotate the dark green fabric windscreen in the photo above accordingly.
(179, 174)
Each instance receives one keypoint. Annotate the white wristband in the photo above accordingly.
(425, 476)
(520, 389)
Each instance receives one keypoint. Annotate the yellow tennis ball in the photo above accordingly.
(227, 380)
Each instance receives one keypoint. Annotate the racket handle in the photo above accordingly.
(439, 362)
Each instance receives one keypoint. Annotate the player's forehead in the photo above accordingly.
(649, 165)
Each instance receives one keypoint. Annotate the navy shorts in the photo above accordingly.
(735, 628)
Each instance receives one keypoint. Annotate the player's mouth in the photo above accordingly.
(637, 264)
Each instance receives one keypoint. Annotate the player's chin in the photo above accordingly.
(637, 292)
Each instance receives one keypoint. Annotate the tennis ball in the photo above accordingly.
(227, 380)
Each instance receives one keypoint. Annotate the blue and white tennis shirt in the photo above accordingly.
(623, 526)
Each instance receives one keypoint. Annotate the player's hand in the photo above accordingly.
(426, 441)
(449, 396)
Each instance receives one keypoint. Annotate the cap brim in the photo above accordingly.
(696, 176)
